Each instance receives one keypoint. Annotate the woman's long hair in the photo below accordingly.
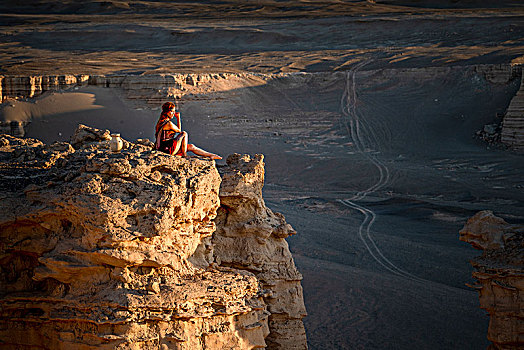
(165, 115)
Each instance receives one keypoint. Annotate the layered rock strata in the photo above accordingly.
(117, 251)
(13, 128)
(152, 88)
(31, 86)
(513, 123)
(251, 237)
(499, 272)
(499, 73)
(155, 88)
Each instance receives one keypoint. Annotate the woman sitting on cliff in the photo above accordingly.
(171, 139)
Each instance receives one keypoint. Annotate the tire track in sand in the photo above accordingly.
(359, 133)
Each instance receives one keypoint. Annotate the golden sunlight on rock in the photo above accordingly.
(98, 249)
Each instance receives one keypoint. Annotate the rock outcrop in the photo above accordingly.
(250, 237)
(499, 73)
(500, 276)
(13, 128)
(152, 88)
(31, 86)
(513, 123)
(123, 251)
(491, 133)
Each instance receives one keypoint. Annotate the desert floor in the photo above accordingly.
(365, 112)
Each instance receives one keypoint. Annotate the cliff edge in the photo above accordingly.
(140, 250)
(499, 272)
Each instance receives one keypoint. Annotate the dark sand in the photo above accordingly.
(375, 166)
(397, 282)
(270, 36)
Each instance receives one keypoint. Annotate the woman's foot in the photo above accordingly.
(201, 152)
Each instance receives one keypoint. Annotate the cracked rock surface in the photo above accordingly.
(125, 251)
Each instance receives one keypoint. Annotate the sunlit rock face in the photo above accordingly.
(31, 86)
(119, 251)
(251, 237)
(500, 276)
(151, 88)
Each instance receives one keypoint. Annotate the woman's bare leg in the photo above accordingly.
(181, 144)
(201, 152)
(185, 139)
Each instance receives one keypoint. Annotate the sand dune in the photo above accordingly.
(55, 116)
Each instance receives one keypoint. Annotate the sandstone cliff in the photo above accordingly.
(500, 276)
(30, 86)
(126, 251)
(152, 88)
(155, 88)
(513, 123)
(251, 237)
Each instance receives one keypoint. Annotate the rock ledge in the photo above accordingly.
(126, 251)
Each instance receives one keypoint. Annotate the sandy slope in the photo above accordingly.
(56, 116)
(399, 284)
(49, 105)
(375, 168)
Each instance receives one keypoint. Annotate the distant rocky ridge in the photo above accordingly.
(31, 86)
(499, 272)
(140, 250)
(151, 88)
(154, 89)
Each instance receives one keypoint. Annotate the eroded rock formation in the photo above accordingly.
(513, 123)
(499, 73)
(152, 88)
(13, 128)
(30, 86)
(500, 276)
(251, 237)
(122, 251)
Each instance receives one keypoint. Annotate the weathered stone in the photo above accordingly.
(86, 135)
(513, 124)
(500, 276)
(250, 236)
(30, 86)
(486, 231)
(119, 251)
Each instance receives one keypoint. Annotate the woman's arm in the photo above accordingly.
(178, 120)
(171, 126)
